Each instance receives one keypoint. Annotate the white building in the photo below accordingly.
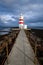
(25, 26)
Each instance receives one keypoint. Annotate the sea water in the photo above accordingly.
(4, 29)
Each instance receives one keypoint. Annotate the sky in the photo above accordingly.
(32, 10)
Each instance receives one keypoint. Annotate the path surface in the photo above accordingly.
(21, 53)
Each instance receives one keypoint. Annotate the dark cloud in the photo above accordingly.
(31, 9)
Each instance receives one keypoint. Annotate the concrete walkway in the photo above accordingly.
(21, 53)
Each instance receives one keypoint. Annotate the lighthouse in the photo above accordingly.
(21, 22)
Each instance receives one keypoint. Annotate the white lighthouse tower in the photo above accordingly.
(21, 22)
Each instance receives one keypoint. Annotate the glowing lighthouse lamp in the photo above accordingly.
(21, 22)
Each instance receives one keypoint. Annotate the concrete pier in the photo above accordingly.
(22, 52)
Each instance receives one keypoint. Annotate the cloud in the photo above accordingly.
(31, 9)
(6, 18)
(35, 25)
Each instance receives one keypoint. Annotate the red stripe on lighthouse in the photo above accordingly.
(21, 22)
(21, 19)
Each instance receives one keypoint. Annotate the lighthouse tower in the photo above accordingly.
(21, 22)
